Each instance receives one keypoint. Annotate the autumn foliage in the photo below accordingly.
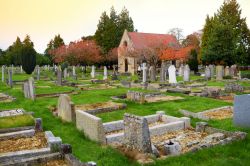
(80, 52)
(176, 54)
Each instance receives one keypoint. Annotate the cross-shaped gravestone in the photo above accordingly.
(144, 72)
(93, 72)
(105, 73)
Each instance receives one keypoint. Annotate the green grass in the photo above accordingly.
(16, 121)
(237, 153)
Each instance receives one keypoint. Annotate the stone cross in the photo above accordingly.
(3, 67)
(105, 73)
(65, 73)
(207, 73)
(186, 73)
(144, 72)
(172, 74)
(181, 70)
(59, 76)
(219, 72)
(10, 82)
(93, 72)
(136, 133)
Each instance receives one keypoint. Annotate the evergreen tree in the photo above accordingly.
(14, 52)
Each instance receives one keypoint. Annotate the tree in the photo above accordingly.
(193, 60)
(13, 53)
(226, 37)
(42, 59)
(177, 32)
(28, 56)
(110, 29)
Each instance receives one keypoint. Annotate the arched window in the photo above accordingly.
(125, 43)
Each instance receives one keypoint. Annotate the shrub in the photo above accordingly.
(28, 59)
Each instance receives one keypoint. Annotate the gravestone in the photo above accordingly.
(152, 73)
(233, 70)
(3, 72)
(163, 72)
(186, 74)
(181, 70)
(211, 67)
(12, 69)
(227, 71)
(38, 73)
(74, 70)
(59, 76)
(219, 72)
(10, 81)
(65, 73)
(105, 73)
(144, 72)
(29, 89)
(207, 73)
(172, 74)
(21, 69)
(136, 133)
(65, 108)
(241, 113)
(93, 72)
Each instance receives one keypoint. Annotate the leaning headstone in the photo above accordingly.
(136, 133)
(181, 70)
(219, 72)
(186, 74)
(163, 72)
(59, 76)
(65, 108)
(227, 71)
(172, 74)
(241, 113)
(211, 67)
(65, 73)
(93, 72)
(144, 72)
(207, 73)
(29, 89)
(152, 73)
(105, 73)
(10, 81)
(3, 72)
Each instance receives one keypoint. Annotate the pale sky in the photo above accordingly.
(72, 19)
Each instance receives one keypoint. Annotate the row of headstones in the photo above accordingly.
(220, 71)
(170, 70)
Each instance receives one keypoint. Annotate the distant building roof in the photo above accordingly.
(144, 40)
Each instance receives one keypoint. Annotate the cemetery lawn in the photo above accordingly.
(237, 153)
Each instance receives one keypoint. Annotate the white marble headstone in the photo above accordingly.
(172, 74)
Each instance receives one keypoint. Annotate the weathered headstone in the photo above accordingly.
(59, 76)
(186, 74)
(233, 70)
(163, 72)
(144, 72)
(136, 133)
(3, 72)
(219, 72)
(93, 72)
(38, 73)
(65, 108)
(172, 74)
(181, 70)
(207, 73)
(241, 113)
(10, 81)
(152, 73)
(65, 73)
(211, 67)
(29, 89)
(227, 71)
(105, 73)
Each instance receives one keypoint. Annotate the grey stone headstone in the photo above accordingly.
(38, 73)
(181, 70)
(65, 73)
(172, 74)
(207, 73)
(65, 108)
(186, 74)
(219, 72)
(29, 89)
(163, 72)
(241, 113)
(136, 133)
(227, 71)
(144, 72)
(74, 70)
(105, 73)
(93, 72)
(152, 73)
(211, 67)
(10, 81)
(59, 76)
